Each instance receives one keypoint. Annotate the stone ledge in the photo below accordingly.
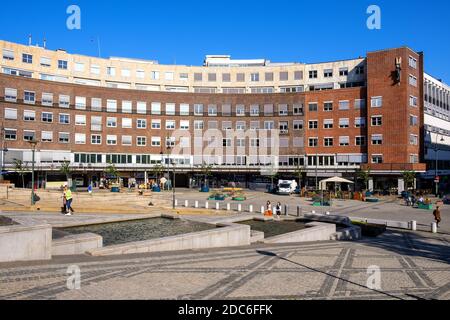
(76, 244)
(315, 231)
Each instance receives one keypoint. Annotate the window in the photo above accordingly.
(412, 80)
(170, 109)
(254, 142)
(298, 75)
(377, 158)
(313, 142)
(413, 101)
(240, 77)
(111, 122)
(47, 99)
(413, 140)
(298, 109)
(80, 120)
(156, 108)
(127, 123)
(29, 97)
(10, 134)
(240, 125)
(227, 142)
(95, 69)
(96, 123)
(226, 77)
(313, 124)
(212, 110)
(63, 137)
(328, 142)
(254, 125)
(170, 142)
(269, 125)
(328, 73)
(377, 139)
(47, 136)
(344, 105)
(360, 122)
(29, 135)
(198, 77)
(156, 141)
(184, 109)
(254, 77)
(46, 62)
(156, 124)
(313, 107)
(126, 73)
(96, 139)
(10, 95)
(141, 107)
(10, 114)
(184, 124)
(80, 103)
(344, 141)
(328, 106)
(80, 138)
(240, 110)
(64, 101)
(413, 120)
(141, 123)
(141, 141)
(8, 54)
(27, 58)
(111, 71)
(29, 115)
(64, 118)
(111, 105)
(283, 109)
(284, 76)
(198, 109)
(344, 123)
(268, 76)
(184, 76)
(298, 124)
(96, 104)
(169, 76)
(111, 140)
(62, 64)
(360, 104)
(79, 67)
(47, 117)
(170, 124)
(328, 124)
(412, 62)
(254, 110)
(240, 143)
(343, 72)
(414, 158)
(360, 70)
(360, 141)
(377, 102)
(313, 74)
(198, 125)
(127, 140)
(154, 75)
(212, 77)
(377, 121)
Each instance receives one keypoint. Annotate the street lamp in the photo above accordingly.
(436, 150)
(33, 144)
(4, 149)
(169, 162)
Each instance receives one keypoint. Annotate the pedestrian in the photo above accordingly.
(269, 209)
(63, 208)
(278, 210)
(90, 189)
(69, 198)
(437, 215)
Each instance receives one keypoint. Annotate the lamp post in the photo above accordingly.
(436, 150)
(169, 148)
(4, 149)
(33, 144)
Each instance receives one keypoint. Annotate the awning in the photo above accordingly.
(323, 183)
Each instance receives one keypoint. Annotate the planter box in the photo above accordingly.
(373, 200)
(204, 189)
(425, 206)
(239, 198)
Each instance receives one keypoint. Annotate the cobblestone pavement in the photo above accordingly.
(413, 266)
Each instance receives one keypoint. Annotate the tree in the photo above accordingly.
(112, 171)
(157, 171)
(300, 170)
(409, 177)
(21, 168)
(67, 171)
(365, 176)
(206, 170)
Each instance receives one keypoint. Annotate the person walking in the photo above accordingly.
(269, 209)
(437, 215)
(278, 210)
(63, 208)
(68, 196)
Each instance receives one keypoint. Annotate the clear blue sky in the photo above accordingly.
(183, 32)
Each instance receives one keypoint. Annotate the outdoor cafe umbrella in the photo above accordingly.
(323, 183)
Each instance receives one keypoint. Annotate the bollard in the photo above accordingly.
(286, 210)
(250, 208)
(206, 205)
(176, 202)
(196, 204)
(434, 227)
(299, 211)
(414, 225)
(313, 212)
(239, 207)
(217, 206)
(186, 203)
(327, 213)
(228, 207)
(262, 210)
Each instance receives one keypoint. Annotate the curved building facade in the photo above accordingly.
(249, 119)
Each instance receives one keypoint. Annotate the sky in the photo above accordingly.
(183, 32)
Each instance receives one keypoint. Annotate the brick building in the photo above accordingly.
(246, 118)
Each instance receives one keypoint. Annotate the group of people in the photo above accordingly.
(269, 209)
(411, 200)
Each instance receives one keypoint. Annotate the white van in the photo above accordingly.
(286, 187)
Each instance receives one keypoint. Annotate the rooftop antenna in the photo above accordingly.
(45, 43)
(30, 38)
(98, 46)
